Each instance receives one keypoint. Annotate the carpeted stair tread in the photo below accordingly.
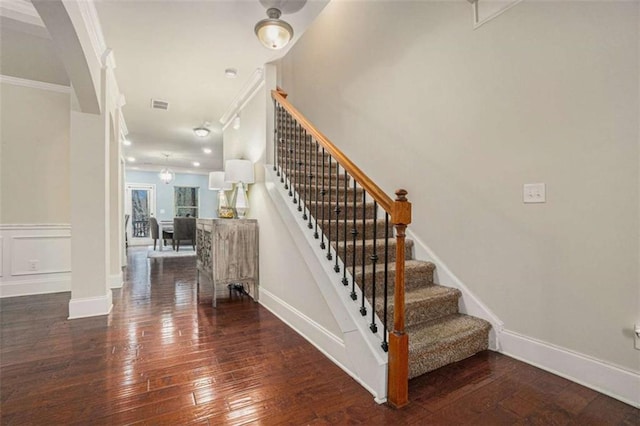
(369, 250)
(417, 273)
(440, 342)
(424, 304)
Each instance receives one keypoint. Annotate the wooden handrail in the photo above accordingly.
(399, 211)
(365, 182)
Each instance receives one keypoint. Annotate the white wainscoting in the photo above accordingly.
(35, 259)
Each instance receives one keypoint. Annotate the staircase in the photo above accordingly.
(345, 219)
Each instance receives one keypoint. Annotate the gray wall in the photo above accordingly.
(462, 118)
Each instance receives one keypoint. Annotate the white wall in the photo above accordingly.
(34, 165)
(284, 275)
(547, 92)
(248, 142)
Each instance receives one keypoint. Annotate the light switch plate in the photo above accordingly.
(534, 193)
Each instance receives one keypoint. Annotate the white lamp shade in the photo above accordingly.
(217, 182)
(239, 171)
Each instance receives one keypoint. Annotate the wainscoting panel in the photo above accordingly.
(36, 259)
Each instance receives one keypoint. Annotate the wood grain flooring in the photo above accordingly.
(163, 358)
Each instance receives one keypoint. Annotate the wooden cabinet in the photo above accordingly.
(228, 254)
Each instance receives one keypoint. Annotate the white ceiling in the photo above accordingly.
(177, 51)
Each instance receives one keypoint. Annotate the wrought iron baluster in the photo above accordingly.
(385, 344)
(329, 256)
(275, 137)
(294, 175)
(281, 147)
(287, 147)
(299, 182)
(345, 281)
(374, 260)
(316, 194)
(363, 309)
(354, 234)
(337, 209)
(311, 176)
(305, 177)
(322, 192)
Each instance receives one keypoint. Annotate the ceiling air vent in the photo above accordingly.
(158, 104)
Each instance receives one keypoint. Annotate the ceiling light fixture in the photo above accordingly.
(231, 72)
(273, 32)
(131, 159)
(207, 150)
(201, 132)
(196, 164)
(166, 174)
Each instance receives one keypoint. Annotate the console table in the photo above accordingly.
(228, 253)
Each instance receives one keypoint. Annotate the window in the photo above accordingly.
(185, 201)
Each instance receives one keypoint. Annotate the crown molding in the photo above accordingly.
(33, 84)
(256, 81)
(94, 29)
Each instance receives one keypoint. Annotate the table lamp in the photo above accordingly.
(217, 183)
(239, 172)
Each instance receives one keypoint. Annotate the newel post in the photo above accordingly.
(398, 386)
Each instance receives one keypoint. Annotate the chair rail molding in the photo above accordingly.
(34, 259)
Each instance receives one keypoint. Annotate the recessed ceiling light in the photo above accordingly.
(231, 72)
(196, 164)
(207, 150)
(126, 142)
(131, 159)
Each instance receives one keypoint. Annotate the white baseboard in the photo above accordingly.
(35, 286)
(116, 280)
(326, 342)
(605, 378)
(90, 306)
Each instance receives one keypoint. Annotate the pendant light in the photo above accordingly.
(166, 174)
(273, 32)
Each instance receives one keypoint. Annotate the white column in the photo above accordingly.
(90, 218)
(116, 217)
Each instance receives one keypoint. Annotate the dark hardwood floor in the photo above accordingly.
(162, 358)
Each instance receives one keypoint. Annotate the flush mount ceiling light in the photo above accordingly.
(201, 132)
(231, 72)
(273, 32)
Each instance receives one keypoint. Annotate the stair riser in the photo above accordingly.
(367, 227)
(300, 180)
(310, 192)
(287, 156)
(413, 279)
(369, 251)
(431, 360)
(286, 161)
(329, 210)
